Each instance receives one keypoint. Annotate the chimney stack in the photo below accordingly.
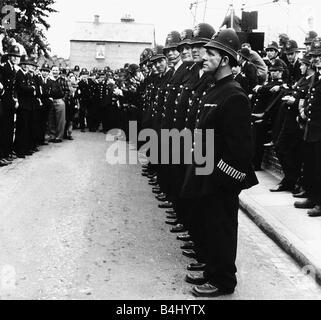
(96, 21)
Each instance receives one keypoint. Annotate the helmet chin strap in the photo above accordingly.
(218, 67)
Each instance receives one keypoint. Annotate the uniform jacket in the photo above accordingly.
(313, 111)
(157, 104)
(250, 72)
(294, 72)
(179, 78)
(84, 92)
(9, 79)
(26, 90)
(225, 108)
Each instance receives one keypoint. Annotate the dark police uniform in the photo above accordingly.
(224, 108)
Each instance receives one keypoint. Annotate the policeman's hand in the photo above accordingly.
(1, 86)
(256, 88)
(16, 104)
(288, 99)
(275, 89)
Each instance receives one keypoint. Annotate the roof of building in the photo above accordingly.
(131, 32)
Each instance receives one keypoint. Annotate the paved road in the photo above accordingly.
(74, 227)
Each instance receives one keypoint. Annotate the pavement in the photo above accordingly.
(292, 229)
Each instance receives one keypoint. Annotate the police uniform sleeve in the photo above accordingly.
(236, 149)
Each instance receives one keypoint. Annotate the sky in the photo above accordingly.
(167, 15)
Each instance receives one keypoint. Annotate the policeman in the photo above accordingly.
(26, 90)
(92, 111)
(186, 113)
(3, 163)
(225, 108)
(312, 136)
(103, 97)
(9, 101)
(273, 55)
(309, 39)
(83, 94)
(266, 117)
(184, 46)
(42, 80)
(159, 60)
(292, 54)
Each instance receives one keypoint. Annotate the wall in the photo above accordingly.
(116, 54)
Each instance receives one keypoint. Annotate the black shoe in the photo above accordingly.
(281, 188)
(172, 223)
(179, 228)
(165, 205)
(172, 217)
(58, 141)
(28, 153)
(82, 130)
(210, 291)
(170, 211)
(69, 138)
(161, 199)
(189, 254)
(157, 192)
(52, 140)
(184, 237)
(3, 163)
(306, 204)
(315, 212)
(195, 279)
(154, 183)
(188, 245)
(302, 194)
(196, 266)
(21, 156)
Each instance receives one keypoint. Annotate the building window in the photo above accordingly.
(100, 51)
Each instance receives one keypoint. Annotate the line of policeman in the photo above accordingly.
(190, 86)
(206, 80)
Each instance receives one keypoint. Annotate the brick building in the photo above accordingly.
(98, 44)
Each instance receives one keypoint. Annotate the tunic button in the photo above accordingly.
(174, 119)
(186, 119)
(188, 110)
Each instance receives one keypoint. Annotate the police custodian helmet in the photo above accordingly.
(227, 41)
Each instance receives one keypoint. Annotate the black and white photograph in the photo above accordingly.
(160, 152)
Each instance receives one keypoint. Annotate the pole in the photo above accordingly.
(232, 15)
(205, 9)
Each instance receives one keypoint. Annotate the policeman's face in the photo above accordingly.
(14, 60)
(271, 54)
(172, 55)
(236, 70)
(161, 65)
(25, 67)
(316, 61)
(308, 47)
(198, 52)
(303, 68)
(44, 73)
(276, 75)
(212, 59)
(186, 53)
(154, 69)
(292, 57)
(32, 69)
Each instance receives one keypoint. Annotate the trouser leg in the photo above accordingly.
(220, 226)
(60, 112)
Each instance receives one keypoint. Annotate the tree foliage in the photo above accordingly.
(31, 22)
